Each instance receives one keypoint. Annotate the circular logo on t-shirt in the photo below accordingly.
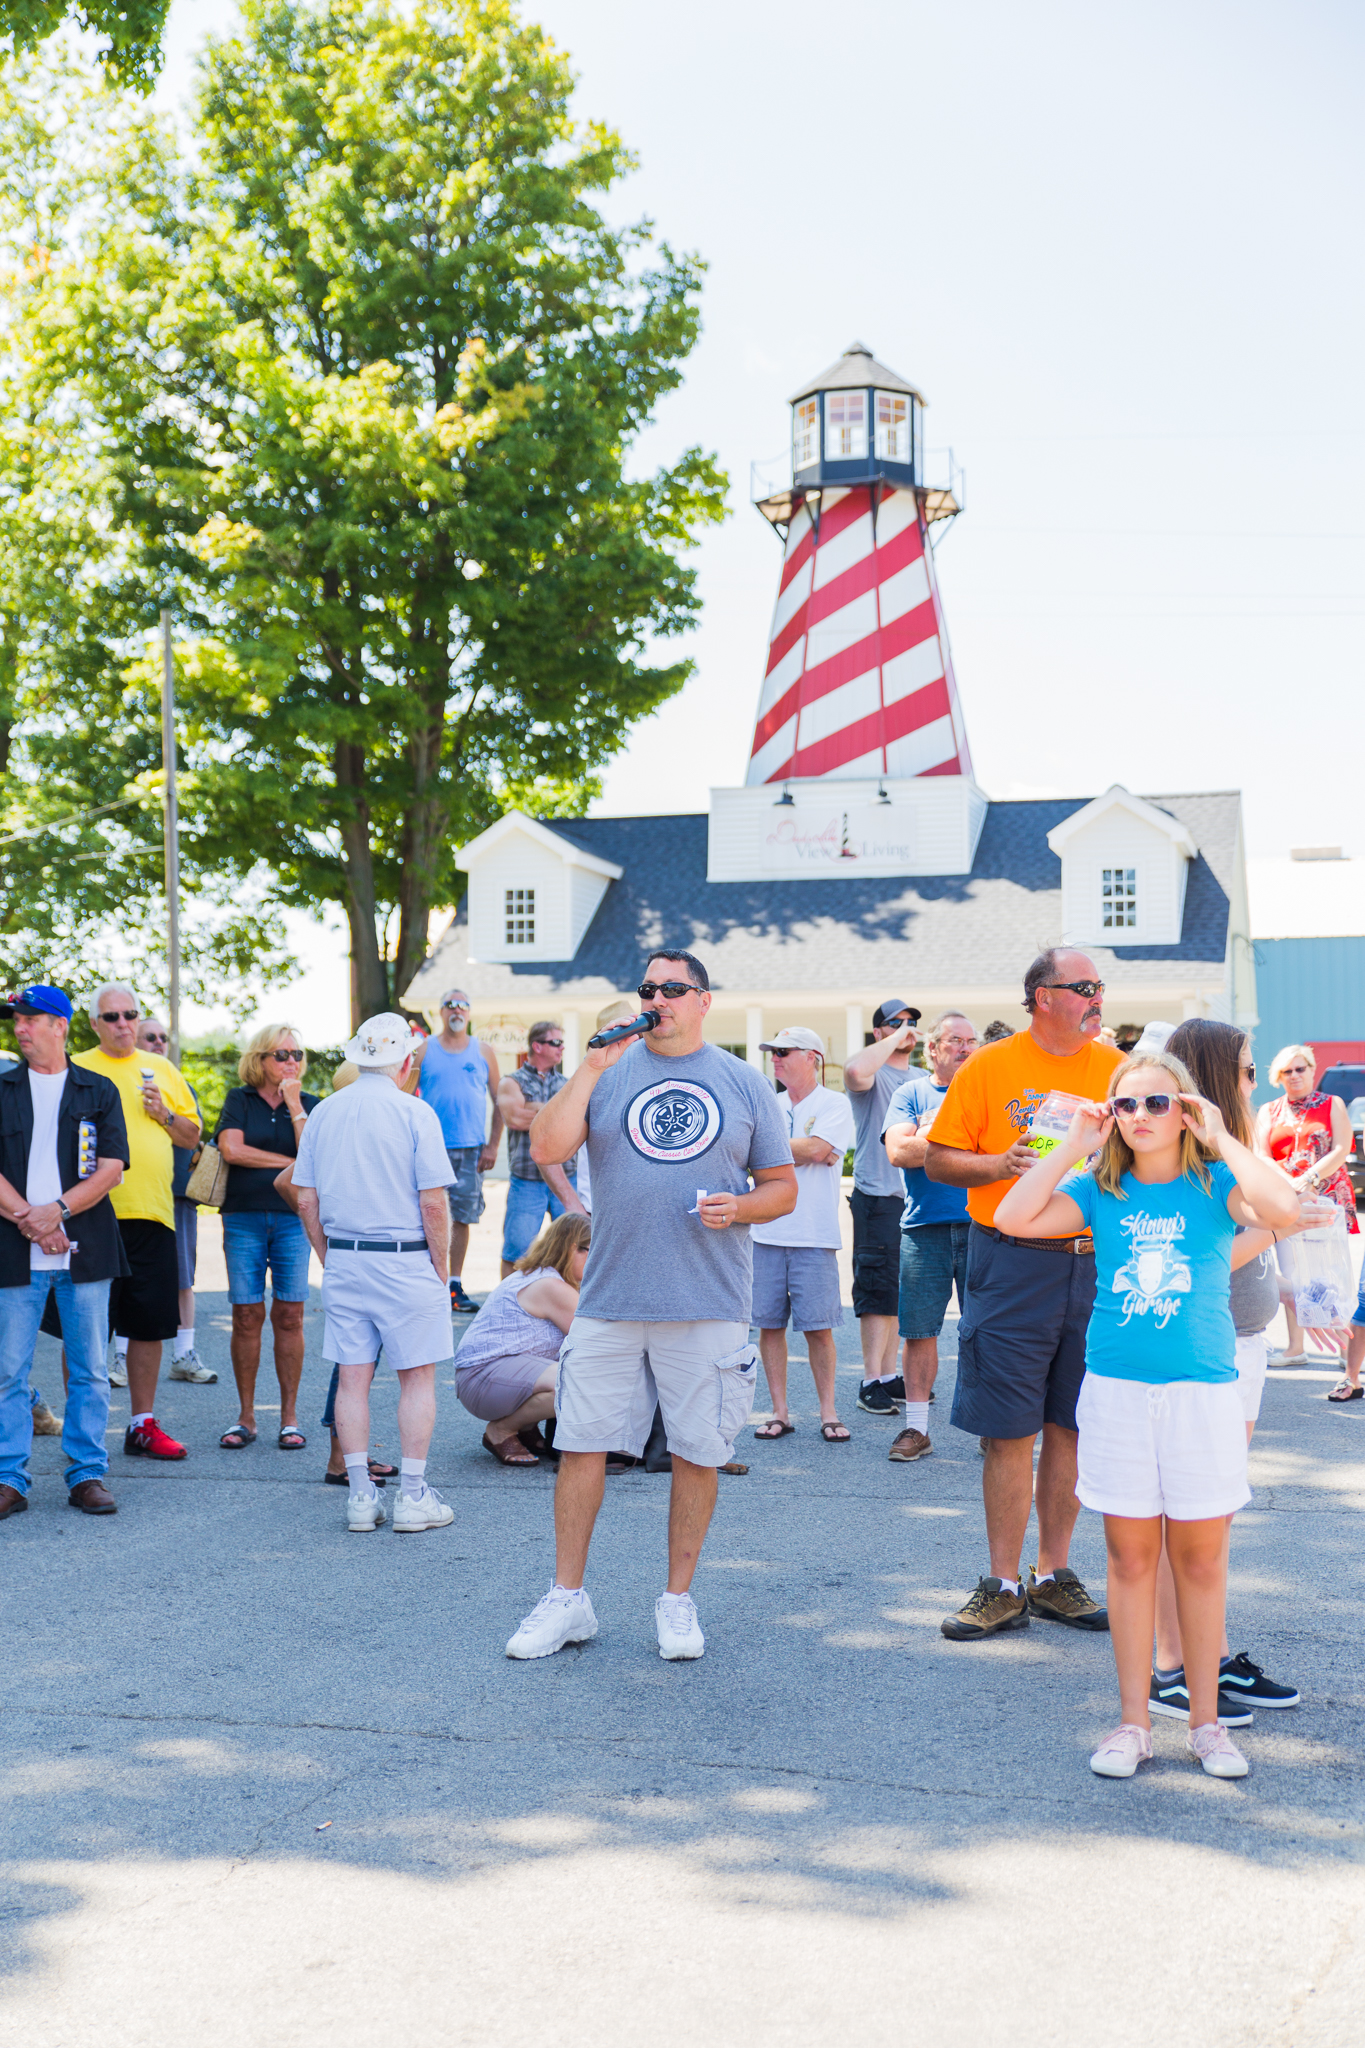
(674, 1120)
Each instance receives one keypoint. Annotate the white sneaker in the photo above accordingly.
(675, 1618)
(1217, 1751)
(364, 1511)
(558, 1619)
(428, 1511)
(189, 1368)
(118, 1368)
(1120, 1753)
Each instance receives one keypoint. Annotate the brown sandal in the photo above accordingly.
(511, 1451)
(834, 1433)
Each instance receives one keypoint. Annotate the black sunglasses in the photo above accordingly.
(284, 1052)
(1129, 1105)
(672, 989)
(1250, 1071)
(1078, 988)
(555, 1044)
(112, 1016)
(454, 1006)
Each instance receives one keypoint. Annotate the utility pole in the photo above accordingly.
(172, 831)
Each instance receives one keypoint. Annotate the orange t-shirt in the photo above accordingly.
(992, 1096)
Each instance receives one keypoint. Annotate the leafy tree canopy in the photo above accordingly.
(130, 30)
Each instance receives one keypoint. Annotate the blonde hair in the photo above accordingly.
(1287, 1053)
(251, 1066)
(1115, 1156)
(556, 1246)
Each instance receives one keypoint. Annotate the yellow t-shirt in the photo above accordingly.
(991, 1097)
(145, 1190)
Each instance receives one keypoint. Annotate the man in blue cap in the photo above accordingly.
(63, 1146)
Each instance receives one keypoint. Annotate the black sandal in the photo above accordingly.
(297, 1440)
(1346, 1392)
(237, 1438)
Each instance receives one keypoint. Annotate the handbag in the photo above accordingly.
(208, 1179)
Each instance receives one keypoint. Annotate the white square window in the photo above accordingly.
(806, 434)
(845, 426)
(1118, 898)
(520, 906)
(893, 427)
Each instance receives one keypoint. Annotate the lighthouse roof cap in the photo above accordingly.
(856, 368)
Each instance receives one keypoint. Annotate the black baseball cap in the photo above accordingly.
(894, 1007)
(39, 1001)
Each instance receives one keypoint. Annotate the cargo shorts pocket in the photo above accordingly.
(968, 1372)
(737, 1377)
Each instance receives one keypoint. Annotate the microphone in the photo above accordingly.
(646, 1021)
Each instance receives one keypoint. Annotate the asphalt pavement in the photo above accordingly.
(266, 1782)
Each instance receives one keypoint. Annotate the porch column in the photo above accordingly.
(753, 1032)
(853, 1030)
(571, 1028)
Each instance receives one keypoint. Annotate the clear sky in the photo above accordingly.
(1117, 248)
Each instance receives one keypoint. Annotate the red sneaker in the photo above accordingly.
(149, 1440)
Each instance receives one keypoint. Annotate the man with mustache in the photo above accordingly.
(1021, 1341)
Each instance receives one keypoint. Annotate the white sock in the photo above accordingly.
(884, 1379)
(1010, 1586)
(1043, 1578)
(414, 1477)
(358, 1472)
(573, 1592)
(121, 1350)
(137, 1421)
(917, 1416)
(184, 1343)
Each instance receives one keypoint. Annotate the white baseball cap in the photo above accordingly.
(382, 1040)
(1154, 1038)
(793, 1037)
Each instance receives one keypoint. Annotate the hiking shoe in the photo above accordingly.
(989, 1611)
(118, 1368)
(1120, 1753)
(460, 1304)
(364, 1511)
(45, 1423)
(1217, 1751)
(1172, 1696)
(561, 1617)
(874, 1398)
(1240, 1679)
(909, 1445)
(189, 1368)
(679, 1631)
(428, 1511)
(1063, 1598)
(149, 1440)
(896, 1388)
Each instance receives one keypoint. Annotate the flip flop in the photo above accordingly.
(511, 1451)
(1346, 1392)
(834, 1433)
(297, 1441)
(379, 1471)
(769, 1432)
(237, 1438)
(735, 1467)
(344, 1478)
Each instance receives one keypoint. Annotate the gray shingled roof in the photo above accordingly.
(935, 930)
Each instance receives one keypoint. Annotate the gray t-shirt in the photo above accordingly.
(659, 1129)
(872, 1170)
(1255, 1295)
(368, 1150)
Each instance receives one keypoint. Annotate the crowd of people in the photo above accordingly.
(1105, 1217)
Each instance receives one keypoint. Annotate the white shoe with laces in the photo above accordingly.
(1217, 1751)
(427, 1511)
(561, 1617)
(118, 1368)
(190, 1368)
(1120, 1753)
(364, 1511)
(675, 1618)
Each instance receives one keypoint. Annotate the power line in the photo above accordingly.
(75, 818)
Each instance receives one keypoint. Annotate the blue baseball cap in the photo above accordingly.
(38, 1001)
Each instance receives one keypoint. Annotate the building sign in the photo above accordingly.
(835, 841)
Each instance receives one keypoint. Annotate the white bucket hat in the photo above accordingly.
(382, 1040)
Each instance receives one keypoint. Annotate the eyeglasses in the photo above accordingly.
(284, 1052)
(1294, 1070)
(454, 1006)
(1155, 1105)
(954, 1044)
(1250, 1071)
(1078, 988)
(672, 989)
(157, 1037)
(112, 1016)
(555, 1044)
(785, 1052)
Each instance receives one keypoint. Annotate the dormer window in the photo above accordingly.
(1118, 898)
(806, 433)
(845, 426)
(893, 427)
(520, 916)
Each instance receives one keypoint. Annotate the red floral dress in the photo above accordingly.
(1300, 1135)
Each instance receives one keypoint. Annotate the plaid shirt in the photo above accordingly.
(537, 1088)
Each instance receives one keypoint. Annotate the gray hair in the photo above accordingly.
(948, 1017)
(108, 988)
(392, 1070)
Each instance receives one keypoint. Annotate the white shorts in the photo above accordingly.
(1251, 1357)
(393, 1299)
(1178, 1450)
(703, 1376)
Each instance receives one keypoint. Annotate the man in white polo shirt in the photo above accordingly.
(796, 1257)
(371, 1180)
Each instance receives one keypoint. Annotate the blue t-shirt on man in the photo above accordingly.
(926, 1201)
(456, 1086)
(1163, 1274)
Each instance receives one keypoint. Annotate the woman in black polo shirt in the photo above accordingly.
(258, 1135)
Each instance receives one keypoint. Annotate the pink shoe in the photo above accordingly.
(1217, 1751)
(1119, 1755)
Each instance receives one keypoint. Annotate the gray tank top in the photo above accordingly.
(1255, 1294)
(504, 1329)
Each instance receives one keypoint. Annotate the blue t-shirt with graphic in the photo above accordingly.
(926, 1201)
(1163, 1274)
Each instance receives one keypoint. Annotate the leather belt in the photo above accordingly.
(1079, 1245)
(366, 1244)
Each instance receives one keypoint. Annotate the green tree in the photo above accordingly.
(131, 29)
(366, 378)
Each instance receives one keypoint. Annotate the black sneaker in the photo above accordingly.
(1240, 1679)
(460, 1303)
(874, 1398)
(896, 1388)
(1172, 1696)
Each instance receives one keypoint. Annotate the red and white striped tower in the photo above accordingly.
(859, 678)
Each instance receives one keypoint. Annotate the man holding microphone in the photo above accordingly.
(675, 1129)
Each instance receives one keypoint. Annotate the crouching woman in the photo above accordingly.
(505, 1366)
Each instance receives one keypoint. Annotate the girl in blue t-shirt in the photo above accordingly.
(1159, 1414)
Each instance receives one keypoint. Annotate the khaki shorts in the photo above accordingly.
(702, 1375)
(388, 1299)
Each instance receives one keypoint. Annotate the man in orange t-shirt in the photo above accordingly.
(1021, 1341)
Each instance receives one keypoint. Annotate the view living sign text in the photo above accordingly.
(864, 839)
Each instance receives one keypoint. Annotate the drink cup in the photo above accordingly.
(1051, 1121)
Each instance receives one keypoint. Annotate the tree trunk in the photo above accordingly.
(369, 979)
(428, 814)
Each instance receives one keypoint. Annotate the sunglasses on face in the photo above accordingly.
(1078, 988)
(285, 1052)
(1250, 1072)
(454, 1006)
(113, 1016)
(555, 1044)
(786, 1052)
(1293, 1070)
(157, 1037)
(1155, 1105)
(672, 989)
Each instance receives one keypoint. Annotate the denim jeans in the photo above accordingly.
(528, 1202)
(256, 1238)
(85, 1330)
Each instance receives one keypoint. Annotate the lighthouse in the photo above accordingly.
(859, 678)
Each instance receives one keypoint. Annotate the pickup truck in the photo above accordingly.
(1349, 1084)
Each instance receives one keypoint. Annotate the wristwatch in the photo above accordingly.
(63, 1211)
